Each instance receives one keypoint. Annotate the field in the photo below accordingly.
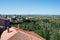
(46, 26)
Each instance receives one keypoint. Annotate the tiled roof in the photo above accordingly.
(3, 19)
(19, 34)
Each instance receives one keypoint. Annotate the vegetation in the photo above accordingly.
(46, 26)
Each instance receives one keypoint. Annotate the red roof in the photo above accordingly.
(19, 34)
(31, 33)
(3, 19)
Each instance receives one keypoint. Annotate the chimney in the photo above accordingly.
(18, 25)
(8, 29)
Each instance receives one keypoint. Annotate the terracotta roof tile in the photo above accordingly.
(3, 19)
(19, 34)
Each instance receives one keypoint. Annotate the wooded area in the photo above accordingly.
(46, 26)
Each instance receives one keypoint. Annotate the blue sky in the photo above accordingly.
(30, 7)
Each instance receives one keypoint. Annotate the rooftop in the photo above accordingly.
(19, 34)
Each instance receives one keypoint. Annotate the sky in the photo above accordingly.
(30, 7)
